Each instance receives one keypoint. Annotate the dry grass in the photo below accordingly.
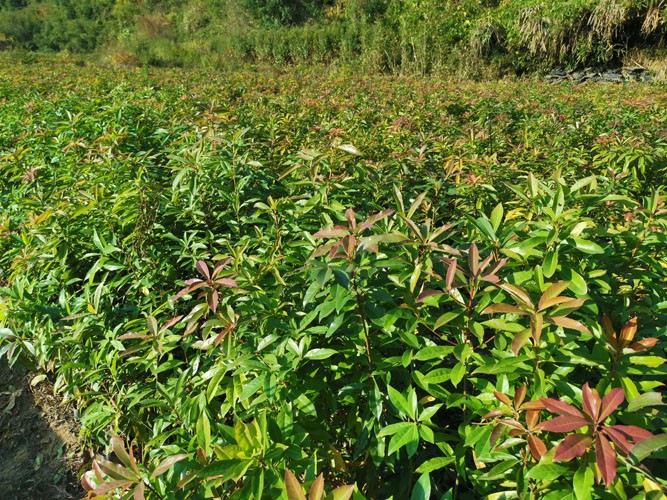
(607, 18)
(656, 15)
(655, 64)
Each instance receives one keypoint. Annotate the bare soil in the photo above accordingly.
(39, 451)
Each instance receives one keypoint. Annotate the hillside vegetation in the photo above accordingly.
(462, 37)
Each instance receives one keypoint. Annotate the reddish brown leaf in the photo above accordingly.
(228, 282)
(552, 292)
(573, 446)
(609, 331)
(519, 395)
(351, 219)
(213, 298)
(532, 416)
(491, 278)
(537, 447)
(138, 493)
(134, 335)
(561, 407)
(610, 402)
(606, 459)
(568, 323)
(637, 434)
(628, 332)
(503, 397)
(317, 488)
(368, 223)
(519, 294)
(496, 433)
(193, 281)
(536, 324)
(485, 263)
(545, 304)
(503, 308)
(644, 344)
(498, 265)
(533, 405)
(203, 269)
(520, 340)
(293, 487)
(513, 423)
(495, 413)
(473, 259)
(591, 402)
(324, 249)
(564, 423)
(221, 265)
(332, 232)
(105, 488)
(571, 304)
(618, 438)
(428, 293)
(451, 274)
(170, 323)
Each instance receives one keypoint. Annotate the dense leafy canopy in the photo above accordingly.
(416, 287)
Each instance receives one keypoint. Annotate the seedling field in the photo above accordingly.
(258, 284)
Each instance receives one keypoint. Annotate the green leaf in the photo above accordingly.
(586, 246)
(458, 371)
(486, 228)
(251, 387)
(583, 483)
(432, 352)
(546, 472)
(500, 469)
(644, 400)
(550, 263)
(399, 401)
(437, 376)
(403, 437)
(422, 488)
(342, 278)
(650, 361)
(497, 216)
(577, 283)
(204, 432)
(507, 365)
(648, 446)
(317, 354)
(435, 464)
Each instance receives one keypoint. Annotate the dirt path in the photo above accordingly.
(38, 444)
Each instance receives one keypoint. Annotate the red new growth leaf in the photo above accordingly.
(610, 402)
(592, 402)
(537, 447)
(609, 331)
(519, 395)
(628, 332)
(606, 459)
(635, 433)
(502, 397)
(203, 269)
(564, 423)
(618, 438)
(561, 407)
(573, 446)
(644, 344)
(351, 219)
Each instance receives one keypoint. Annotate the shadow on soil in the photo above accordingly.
(38, 444)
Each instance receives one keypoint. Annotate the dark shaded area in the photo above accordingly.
(38, 446)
